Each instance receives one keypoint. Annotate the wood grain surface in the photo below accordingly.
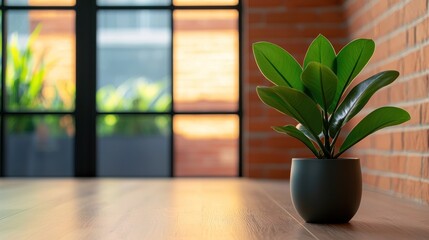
(187, 209)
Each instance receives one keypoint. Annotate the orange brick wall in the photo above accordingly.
(292, 24)
(396, 160)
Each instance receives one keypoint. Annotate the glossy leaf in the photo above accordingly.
(376, 120)
(277, 65)
(295, 104)
(321, 51)
(270, 98)
(350, 61)
(302, 108)
(293, 132)
(321, 82)
(358, 98)
(307, 133)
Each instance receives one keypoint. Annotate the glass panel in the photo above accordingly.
(39, 146)
(134, 61)
(40, 2)
(206, 145)
(133, 2)
(205, 2)
(133, 146)
(205, 60)
(41, 60)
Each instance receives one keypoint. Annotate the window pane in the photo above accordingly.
(133, 146)
(205, 2)
(40, 2)
(134, 61)
(206, 145)
(133, 2)
(39, 146)
(205, 60)
(41, 60)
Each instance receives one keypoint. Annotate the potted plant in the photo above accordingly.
(327, 188)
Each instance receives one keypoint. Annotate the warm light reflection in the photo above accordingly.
(222, 200)
(206, 126)
(206, 145)
(56, 44)
(205, 60)
(46, 2)
(52, 52)
(205, 2)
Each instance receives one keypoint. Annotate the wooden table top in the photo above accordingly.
(187, 209)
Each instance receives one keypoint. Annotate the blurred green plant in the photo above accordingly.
(25, 75)
(137, 94)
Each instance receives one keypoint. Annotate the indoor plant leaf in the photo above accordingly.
(350, 61)
(270, 98)
(301, 107)
(277, 65)
(307, 133)
(296, 104)
(321, 82)
(293, 132)
(321, 51)
(357, 99)
(376, 120)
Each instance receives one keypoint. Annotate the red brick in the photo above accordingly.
(425, 192)
(414, 166)
(414, 9)
(416, 140)
(425, 167)
(398, 164)
(269, 157)
(265, 3)
(418, 88)
(422, 31)
(397, 141)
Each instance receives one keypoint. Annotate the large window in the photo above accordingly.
(120, 88)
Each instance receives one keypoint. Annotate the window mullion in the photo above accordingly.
(85, 118)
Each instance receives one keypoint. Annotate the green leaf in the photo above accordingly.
(307, 133)
(293, 132)
(321, 51)
(299, 106)
(270, 98)
(358, 98)
(376, 120)
(350, 61)
(321, 82)
(277, 65)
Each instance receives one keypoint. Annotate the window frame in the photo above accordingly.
(85, 113)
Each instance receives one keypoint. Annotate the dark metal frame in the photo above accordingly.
(85, 113)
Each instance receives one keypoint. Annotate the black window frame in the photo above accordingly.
(85, 112)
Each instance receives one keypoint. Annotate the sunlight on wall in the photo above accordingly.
(206, 126)
(205, 2)
(56, 44)
(206, 145)
(51, 2)
(206, 60)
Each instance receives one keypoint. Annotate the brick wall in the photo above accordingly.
(292, 24)
(396, 160)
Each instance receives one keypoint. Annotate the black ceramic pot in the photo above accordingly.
(326, 190)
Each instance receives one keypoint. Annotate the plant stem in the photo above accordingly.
(325, 151)
(326, 134)
(334, 140)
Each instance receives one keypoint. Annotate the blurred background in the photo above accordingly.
(139, 88)
(164, 97)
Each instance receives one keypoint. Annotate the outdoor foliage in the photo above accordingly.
(134, 95)
(312, 93)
